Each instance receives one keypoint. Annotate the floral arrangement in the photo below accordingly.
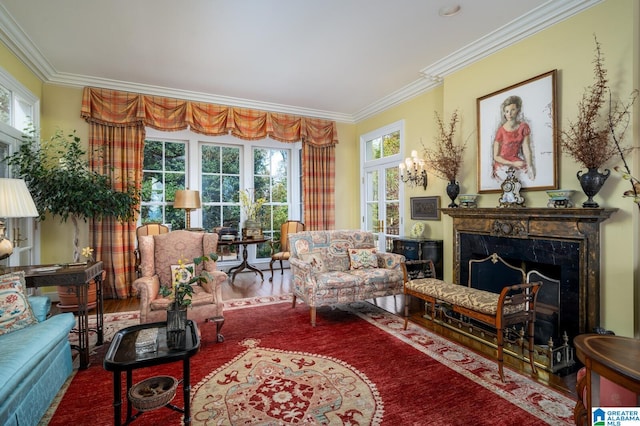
(88, 253)
(445, 159)
(594, 138)
(184, 277)
(250, 206)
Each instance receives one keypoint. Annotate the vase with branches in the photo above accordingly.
(594, 138)
(445, 159)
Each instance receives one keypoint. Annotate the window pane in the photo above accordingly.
(210, 159)
(153, 155)
(231, 160)
(261, 161)
(5, 105)
(23, 114)
(230, 189)
(175, 157)
(373, 149)
(173, 181)
(152, 187)
(210, 189)
(392, 183)
(391, 144)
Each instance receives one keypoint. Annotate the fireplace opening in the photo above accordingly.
(554, 262)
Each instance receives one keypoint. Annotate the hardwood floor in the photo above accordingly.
(245, 285)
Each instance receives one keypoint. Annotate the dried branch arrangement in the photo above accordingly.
(594, 138)
(445, 160)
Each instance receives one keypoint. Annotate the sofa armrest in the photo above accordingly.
(40, 305)
(390, 260)
(302, 271)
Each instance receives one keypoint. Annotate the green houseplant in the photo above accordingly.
(61, 183)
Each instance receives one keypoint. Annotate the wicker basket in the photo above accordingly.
(152, 393)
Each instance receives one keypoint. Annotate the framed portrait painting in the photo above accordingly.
(425, 208)
(517, 128)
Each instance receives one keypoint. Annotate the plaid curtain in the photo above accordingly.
(117, 121)
(318, 178)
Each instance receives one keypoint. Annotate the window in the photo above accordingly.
(19, 110)
(219, 167)
(382, 193)
(164, 171)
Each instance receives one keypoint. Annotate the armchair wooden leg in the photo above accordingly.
(293, 305)
(281, 268)
(313, 316)
(219, 323)
(271, 268)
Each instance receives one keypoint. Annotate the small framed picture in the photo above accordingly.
(425, 208)
(517, 129)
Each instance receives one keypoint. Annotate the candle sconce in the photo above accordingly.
(412, 171)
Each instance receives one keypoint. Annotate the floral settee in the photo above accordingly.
(331, 267)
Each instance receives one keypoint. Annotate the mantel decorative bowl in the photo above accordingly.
(560, 197)
(468, 200)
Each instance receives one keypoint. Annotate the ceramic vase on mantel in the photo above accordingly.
(453, 189)
(591, 183)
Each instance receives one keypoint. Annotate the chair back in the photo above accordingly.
(151, 228)
(289, 227)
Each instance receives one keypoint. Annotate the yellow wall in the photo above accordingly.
(569, 48)
(19, 71)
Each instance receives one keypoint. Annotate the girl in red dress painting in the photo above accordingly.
(512, 143)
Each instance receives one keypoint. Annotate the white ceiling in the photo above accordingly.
(338, 59)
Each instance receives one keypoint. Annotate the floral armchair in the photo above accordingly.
(158, 253)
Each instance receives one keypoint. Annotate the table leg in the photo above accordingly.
(117, 398)
(244, 265)
(82, 292)
(186, 390)
(99, 310)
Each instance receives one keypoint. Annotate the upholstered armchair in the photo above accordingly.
(147, 229)
(157, 254)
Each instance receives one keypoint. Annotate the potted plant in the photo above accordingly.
(61, 183)
(251, 209)
(181, 290)
(594, 137)
(445, 159)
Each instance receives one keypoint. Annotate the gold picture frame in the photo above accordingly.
(517, 128)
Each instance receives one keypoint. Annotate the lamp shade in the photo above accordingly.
(187, 199)
(15, 199)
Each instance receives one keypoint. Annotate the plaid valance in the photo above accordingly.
(123, 109)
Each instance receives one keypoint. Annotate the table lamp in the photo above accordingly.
(189, 200)
(15, 201)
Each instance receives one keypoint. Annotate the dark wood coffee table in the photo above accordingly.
(122, 356)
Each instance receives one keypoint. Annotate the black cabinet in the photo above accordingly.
(420, 249)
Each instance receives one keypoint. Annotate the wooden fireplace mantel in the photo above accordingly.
(581, 225)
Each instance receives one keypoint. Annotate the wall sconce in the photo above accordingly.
(412, 171)
(189, 200)
(15, 202)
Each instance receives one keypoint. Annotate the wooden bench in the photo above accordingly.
(515, 304)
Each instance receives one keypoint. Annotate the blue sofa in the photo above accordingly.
(35, 361)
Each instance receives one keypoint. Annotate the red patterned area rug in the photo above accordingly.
(356, 367)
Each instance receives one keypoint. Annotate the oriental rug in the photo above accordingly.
(356, 367)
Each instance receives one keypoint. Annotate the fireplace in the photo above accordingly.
(562, 244)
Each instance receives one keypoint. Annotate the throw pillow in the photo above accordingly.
(15, 310)
(182, 273)
(317, 260)
(363, 258)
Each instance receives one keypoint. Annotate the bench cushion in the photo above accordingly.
(476, 300)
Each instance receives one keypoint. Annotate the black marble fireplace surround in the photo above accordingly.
(561, 243)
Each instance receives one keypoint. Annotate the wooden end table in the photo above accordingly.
(245, 254)
(78, 276)
(122, 357)
(614, 357)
